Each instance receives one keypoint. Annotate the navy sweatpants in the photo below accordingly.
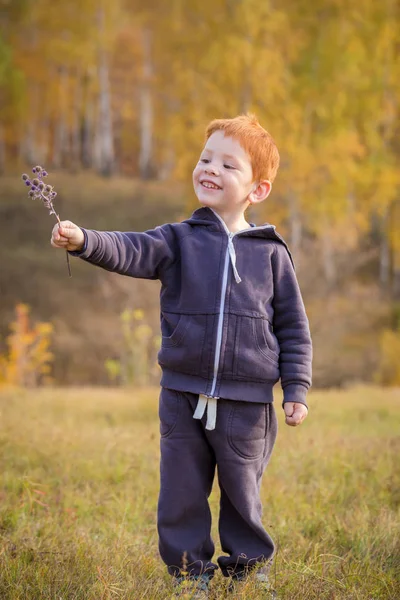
(240, 446)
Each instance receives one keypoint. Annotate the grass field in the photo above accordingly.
(79, 485)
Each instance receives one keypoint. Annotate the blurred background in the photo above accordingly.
(112, 99)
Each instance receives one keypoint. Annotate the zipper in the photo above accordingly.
(223, 298)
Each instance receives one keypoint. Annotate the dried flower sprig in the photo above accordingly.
(45, 193)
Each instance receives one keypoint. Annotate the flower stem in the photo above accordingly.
(66, 252)
(49, 204)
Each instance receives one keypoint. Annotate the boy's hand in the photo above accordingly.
(67, 235)
(295, 413)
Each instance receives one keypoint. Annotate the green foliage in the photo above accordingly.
(388, 372)
(113, 368)
(12, 84)
(5, 58)
(136, 364)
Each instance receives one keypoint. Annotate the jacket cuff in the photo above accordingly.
(295, 392)
(85, 252)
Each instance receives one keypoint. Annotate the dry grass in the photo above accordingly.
(79, 484)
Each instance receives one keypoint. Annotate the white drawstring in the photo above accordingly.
(211, 410)
(232, 255)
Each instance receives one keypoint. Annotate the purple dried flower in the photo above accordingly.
(46, 193)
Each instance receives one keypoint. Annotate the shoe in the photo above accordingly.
(192, 588)
(262, 585)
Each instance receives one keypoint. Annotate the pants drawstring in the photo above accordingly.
(211, 403)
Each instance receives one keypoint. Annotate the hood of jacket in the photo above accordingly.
(208, 217)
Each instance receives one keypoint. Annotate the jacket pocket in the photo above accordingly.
(270, 338)
(173, 328)
(247, 428)
(256, 351)
(182, 349)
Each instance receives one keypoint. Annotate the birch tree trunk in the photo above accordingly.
(295, 225)
(2, 150)
(394, 228)
(165, 169)
(86, 129)
(103, 154)
(76, 122)
(246, 92)
(61, 141)
(384, 253)
(28, 146)
(146, 116)
(328, 261)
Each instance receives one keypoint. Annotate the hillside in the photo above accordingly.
(85, 310)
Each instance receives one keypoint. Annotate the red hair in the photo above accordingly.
(254, 139)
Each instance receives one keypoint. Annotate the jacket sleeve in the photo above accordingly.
(137, 254)
(291, 328)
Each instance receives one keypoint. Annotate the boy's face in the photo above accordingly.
(223, 177)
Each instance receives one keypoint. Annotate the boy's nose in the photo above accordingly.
(209, 168)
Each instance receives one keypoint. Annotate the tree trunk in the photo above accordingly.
(168, 158)
(104, 155)
(384, 254)
(295, 226)
(146, 109)
(75, 132)
(246, 91)
(43, 140)
(86, 128)
(2, 150)
(61, 141)
(394, 225)
(28, 144)
(327, 256)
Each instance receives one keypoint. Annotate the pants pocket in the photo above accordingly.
(247, 428)
(168, 411)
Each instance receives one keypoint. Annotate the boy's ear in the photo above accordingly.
(260, 191)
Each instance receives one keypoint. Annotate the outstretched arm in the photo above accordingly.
(136, 254)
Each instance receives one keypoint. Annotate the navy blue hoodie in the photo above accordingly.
(232, 317)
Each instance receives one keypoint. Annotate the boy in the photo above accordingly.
(233, 322)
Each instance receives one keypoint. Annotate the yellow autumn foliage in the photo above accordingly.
(388, 372)
(27, 360)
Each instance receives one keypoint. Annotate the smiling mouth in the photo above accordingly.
(210, 186)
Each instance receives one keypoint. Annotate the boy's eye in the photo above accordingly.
(228, 167)
(204, 160)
